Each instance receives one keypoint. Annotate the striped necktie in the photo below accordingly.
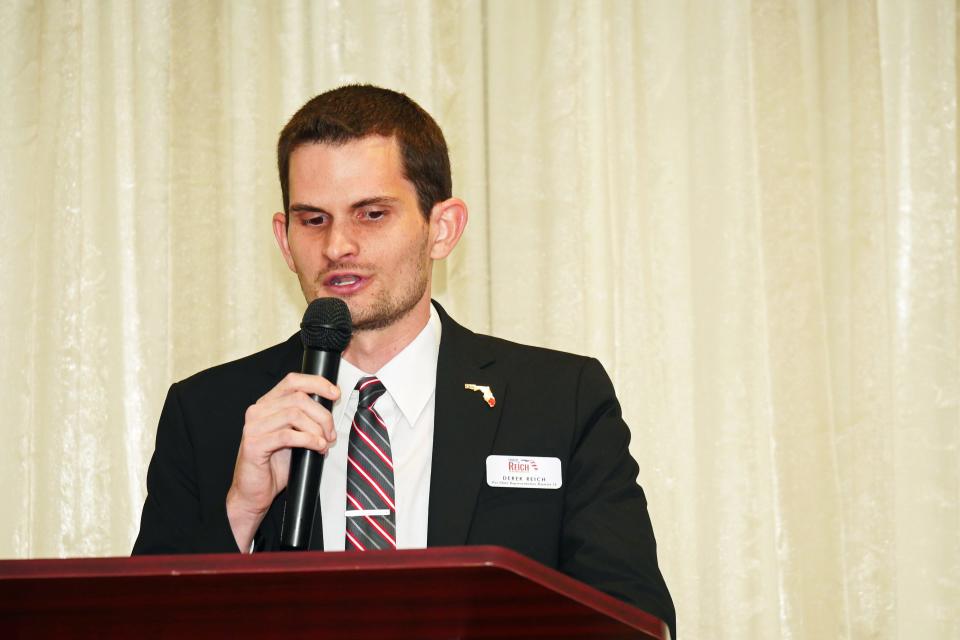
(371, 512)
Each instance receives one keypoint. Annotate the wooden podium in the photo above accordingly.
(447, 592)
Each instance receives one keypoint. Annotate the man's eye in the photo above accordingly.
(315, 221)
(374, 215)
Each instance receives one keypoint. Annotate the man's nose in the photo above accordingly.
(341, 242)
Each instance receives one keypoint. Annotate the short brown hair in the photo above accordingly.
(352, 112)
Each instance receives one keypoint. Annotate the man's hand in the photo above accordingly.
(284, 418)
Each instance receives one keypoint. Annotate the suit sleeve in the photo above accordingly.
(607, 538)
(174, 520)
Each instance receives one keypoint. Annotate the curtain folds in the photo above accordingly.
(746, 210)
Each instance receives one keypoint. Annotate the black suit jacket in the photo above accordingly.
(594, 528)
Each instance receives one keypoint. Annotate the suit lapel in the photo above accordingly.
(464, 430)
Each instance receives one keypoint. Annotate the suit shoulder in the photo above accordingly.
(519, 354)
(463, 340)
(230, 373)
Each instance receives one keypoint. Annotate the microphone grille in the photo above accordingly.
(326, 325)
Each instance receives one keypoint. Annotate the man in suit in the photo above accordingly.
(482, 441)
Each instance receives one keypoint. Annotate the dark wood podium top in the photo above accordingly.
(447, 592)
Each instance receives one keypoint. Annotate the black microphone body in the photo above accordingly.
(324, 341)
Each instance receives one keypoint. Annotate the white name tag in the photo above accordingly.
(524, 472)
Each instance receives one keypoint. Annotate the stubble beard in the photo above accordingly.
(386, 309)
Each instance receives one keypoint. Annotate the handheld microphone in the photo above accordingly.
(325, 333)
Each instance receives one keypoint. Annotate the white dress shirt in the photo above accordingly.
(407, 408)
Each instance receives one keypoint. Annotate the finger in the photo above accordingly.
(262, 416)
(317, 413)
(292, 439)
(304, 382)
(282, 418)
(260, 451)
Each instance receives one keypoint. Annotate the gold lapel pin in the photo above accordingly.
(485, 390)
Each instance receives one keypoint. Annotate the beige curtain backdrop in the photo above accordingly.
(746, 210)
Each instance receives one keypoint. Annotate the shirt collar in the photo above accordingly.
(410, 377)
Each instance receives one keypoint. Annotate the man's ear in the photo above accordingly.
(448, 219)
(280, 233)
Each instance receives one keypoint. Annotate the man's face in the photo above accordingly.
(355, 231)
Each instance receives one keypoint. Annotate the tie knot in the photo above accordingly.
(370, 389)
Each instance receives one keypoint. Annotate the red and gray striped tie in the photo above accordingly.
(371, 512)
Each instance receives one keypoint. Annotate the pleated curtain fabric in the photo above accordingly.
(746, 210)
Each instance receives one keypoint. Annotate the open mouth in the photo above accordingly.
(343, 281)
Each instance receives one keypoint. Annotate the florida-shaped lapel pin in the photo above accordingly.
(485, 390)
